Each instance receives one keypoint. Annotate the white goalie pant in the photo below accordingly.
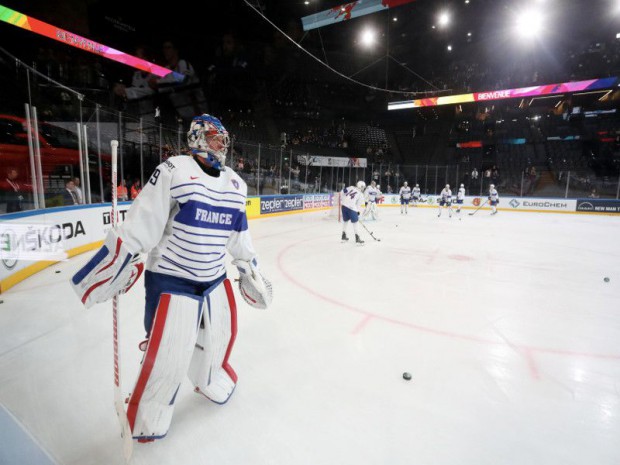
(373, 210)
(209, 369)
(166, 361)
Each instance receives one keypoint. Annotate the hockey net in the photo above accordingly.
(335, 212)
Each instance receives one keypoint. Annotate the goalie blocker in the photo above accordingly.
(114, 269)
(191, 335)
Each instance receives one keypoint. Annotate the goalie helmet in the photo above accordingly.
(208, 138)
(361, 185)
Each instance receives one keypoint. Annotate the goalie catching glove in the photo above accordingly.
(254, 288)
(112, 270)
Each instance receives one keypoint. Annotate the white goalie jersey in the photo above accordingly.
(187, 220)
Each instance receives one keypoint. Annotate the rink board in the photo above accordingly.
(31, 241)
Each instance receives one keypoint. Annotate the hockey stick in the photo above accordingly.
(369, 231)
(118, 395)
(474, 212)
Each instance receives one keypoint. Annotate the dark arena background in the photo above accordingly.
(452, 335)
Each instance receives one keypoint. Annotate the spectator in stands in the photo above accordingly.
(182, 85)
(474, 174)
(231, 80)
(69, 196)
(78, 191)
(13, 191)
(136, 187)
(140, 81)
(295, 172)
(179, 66)
(121, 191)
(494, 175)
(593, 194)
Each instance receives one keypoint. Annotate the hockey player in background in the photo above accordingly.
(372, 196)
(460, 198)
(445, 200)
(188, 214)
(415, 195)
(493, 199)
(352, 200)
(405, 197)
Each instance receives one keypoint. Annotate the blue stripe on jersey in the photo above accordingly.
(202, 215)
(185, 267)
(177, 197)
(193, 251)
(205, 187)
(187, 271)
(197, 234)
(198, 243)
(197, 261)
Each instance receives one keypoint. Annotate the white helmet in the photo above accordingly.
(492, 186)
(447, 186)
(208, 138)
(462, 185)
(417, 185)
(373, 183)
(361, 185)
(379, 186)
(405, 183)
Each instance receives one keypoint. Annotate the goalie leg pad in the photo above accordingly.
(167, 357)
(209, 370)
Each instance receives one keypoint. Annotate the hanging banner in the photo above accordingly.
(348, 11)
(523, 92)
(338, 162)
(69, 38)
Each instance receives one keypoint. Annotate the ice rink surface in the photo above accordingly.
(505, 322)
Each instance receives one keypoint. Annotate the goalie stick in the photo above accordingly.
(118, 397)
(474, 212)
(369, 231)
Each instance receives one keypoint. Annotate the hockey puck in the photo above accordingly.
(407, 376)
(1, 301)
(57, 271)
(606, 279)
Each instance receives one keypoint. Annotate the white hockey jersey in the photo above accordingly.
(372, 194)
(493, 195)
(446, 195)
(460, 195)
(405, 192)
(352, 198)
(416, 192)
(186, 220)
